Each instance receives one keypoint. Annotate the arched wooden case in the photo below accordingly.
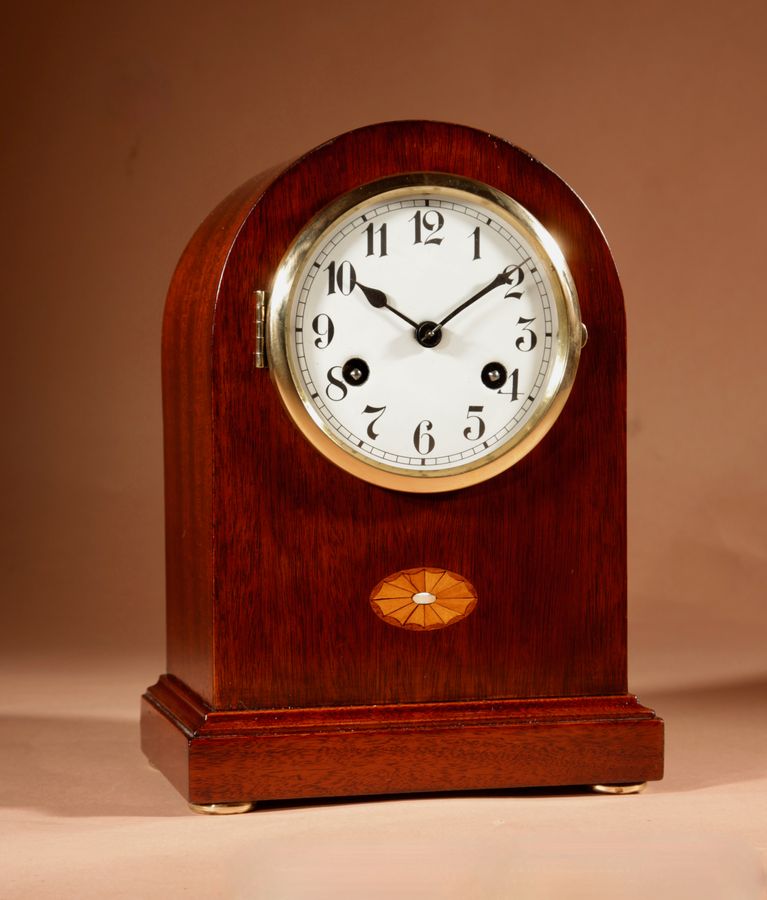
(283, 679)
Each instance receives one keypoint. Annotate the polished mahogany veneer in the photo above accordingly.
(283, 681)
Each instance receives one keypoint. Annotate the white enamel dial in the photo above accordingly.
(429, 330)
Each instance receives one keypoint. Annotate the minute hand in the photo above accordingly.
(505, 277)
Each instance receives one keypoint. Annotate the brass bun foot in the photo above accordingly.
(221, 809)
(619, 788)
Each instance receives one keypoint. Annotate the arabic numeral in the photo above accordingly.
(322, 325)
(528, 340)
(514, 277)
(343, 277)
(336, 389)
(430, 222)
(422, 440)
(371, 411)
(514, 381)
(475, 235)
(371, 233)
(474, 431)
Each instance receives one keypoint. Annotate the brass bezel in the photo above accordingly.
(311, 424)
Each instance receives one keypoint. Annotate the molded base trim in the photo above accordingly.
(235, 756)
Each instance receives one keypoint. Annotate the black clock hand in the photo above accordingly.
(379, 300)
(505, 277)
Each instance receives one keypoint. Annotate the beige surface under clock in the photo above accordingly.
(82, 815)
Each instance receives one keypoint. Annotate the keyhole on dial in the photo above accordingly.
(355, 371)
(494, 375)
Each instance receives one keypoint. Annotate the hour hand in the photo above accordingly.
(379, 300)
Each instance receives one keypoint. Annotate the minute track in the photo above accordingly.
(407, 294)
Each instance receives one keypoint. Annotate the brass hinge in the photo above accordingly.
(259, 313)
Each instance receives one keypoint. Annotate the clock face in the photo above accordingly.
(424, 332)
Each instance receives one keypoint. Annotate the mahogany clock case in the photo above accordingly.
(282, 681)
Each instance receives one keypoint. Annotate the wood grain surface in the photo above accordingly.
(214, 757)
(272, 551)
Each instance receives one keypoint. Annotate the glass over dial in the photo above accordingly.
(429, 332)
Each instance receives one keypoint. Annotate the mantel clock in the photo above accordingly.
(396, 483)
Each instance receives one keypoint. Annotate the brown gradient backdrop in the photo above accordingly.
(125, 123)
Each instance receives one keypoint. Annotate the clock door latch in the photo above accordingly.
(259, 322)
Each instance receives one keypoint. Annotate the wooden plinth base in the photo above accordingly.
(235, 756)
